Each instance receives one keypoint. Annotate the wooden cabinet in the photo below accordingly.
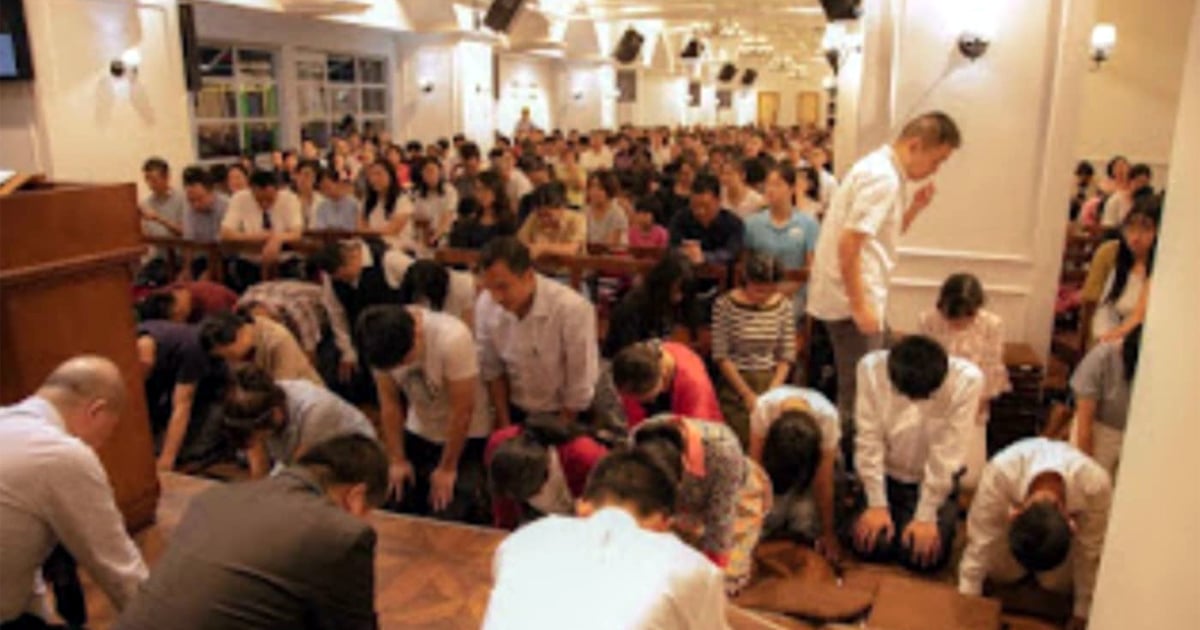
(67, 254)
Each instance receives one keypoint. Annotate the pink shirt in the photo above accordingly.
(656, 237)
(692, 393)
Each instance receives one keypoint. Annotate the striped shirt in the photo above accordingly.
(753, 337)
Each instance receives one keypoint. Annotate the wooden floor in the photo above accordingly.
(429, 574)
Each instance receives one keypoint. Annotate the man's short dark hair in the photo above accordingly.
(1140, 170)
(311, 165)
(385, 333)
(530, 163)
(250, 399)
(706, 183)
(157, 165)
(792, 451)
(157, 305)
(350, 460)
(637, 368)
(754, 170)
(469, 151)
(220, 329)
(518, 468)
(508, 250)
(917, 366)
(549, 195)
(663, 442)
(649, 203)
(425, 280)
(262, 178)
(328, 173)
(197, 176)
(1085, 168)
(934, 129)
(632, 477)
(1040, 537)
(330, 257)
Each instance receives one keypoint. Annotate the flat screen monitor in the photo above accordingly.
(15, 61)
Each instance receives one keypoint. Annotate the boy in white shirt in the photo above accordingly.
(615, 566)
(1041, 508)
(915, 407)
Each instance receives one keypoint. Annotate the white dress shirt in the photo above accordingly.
(550, 356)
(770, 406)
(54, 490)
(913, 441)
(603, 572)
(245, 216)
(1005, 484)
(870, 201)
(595, 160)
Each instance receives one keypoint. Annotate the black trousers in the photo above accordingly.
(471, 503)
(902, 503)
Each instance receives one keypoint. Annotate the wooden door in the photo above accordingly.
(768, 109)
(808, 108)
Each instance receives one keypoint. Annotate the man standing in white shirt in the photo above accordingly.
(1041, 508)
(53, 489)
(915, 407)
(615, 566)
(536, 338)
(265, 215)
(856, 251)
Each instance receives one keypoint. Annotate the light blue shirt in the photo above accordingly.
(337, 214)
(791, 243)
(205, 227)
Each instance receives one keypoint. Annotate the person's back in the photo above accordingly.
(615, 566)
(274, 553)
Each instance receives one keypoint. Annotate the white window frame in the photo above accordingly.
(236, 83)
(324, 89)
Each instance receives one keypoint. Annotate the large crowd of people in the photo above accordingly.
(642, 436)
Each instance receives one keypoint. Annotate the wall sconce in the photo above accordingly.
(577, 95)
(1104, 40)
(426, 85)
(832, 42)
(829, 83)
(972, 45)
(126, 64)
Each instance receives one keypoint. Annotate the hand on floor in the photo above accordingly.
(924, 542)
(874, 528)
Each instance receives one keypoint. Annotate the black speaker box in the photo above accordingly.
(728, 71)
(749, 77)
(629, 46)
(500, 15)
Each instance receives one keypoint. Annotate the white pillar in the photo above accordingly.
(1150, 571)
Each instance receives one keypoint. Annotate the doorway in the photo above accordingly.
(768, 109)
(808, 108)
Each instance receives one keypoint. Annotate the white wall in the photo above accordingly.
(527, 81)
(1130, 102)
(474, 107)
(998, 212)
(426, 116)
(662, 99)
(1149, 574)
(588, 79)
(20, 137)
(96, 128)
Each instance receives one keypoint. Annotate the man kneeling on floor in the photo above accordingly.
(290, 551)
(1041, 509)
(913, 413)
(616, 566)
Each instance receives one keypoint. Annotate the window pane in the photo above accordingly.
(258, 101)
(371, 71)
(256, 65)
(217, 140)
(372, 126)
(312, 101)
(344, 101)
(261, 137)
(216, 61)
(340, 69)
(374, 101)
(310, 70)
(216, 100)
(317, 131)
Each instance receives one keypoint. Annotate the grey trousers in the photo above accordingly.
(849, 347)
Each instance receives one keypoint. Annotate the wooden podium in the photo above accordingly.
(67, 253)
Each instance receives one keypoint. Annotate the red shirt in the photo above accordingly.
(208, 298)
(692, 393)
(577, 457)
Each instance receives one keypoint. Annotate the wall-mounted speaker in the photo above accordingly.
(749, 77)
(728, 71)
(628, 48)
(841, 9)
(693, 49)
(500, 15)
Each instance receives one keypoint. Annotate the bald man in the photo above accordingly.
(53, 489)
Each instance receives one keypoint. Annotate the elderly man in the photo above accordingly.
(54, 490)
